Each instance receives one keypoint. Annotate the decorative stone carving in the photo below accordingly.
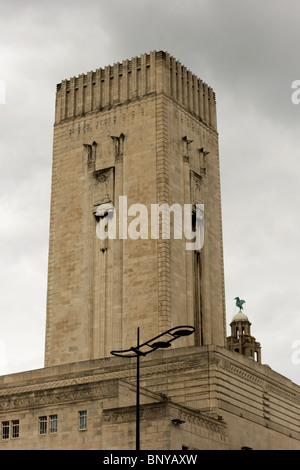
(242, 373)
(186, 143)
(91, 154)
(104, 186)
(59, 395)
(119, 145)
(203, 160)
(197, 188)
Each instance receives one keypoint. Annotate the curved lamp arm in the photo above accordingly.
(154, 343)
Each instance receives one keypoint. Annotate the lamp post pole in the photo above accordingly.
(161, 341)
(138, 392)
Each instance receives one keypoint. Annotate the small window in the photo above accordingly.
(43, 424)
(82, 420)
(5, 429)
(53, 424)
(15, 428)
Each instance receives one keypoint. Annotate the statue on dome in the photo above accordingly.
(239, 303)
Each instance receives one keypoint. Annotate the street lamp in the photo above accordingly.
(161, 341)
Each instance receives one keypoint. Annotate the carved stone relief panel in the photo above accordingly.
(197, 188)
(103, 191)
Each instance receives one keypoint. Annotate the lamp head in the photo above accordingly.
(183, 332)
(161, 345)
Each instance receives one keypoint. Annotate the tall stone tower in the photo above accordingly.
(144, 129)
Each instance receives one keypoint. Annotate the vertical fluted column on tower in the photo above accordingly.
(188, 253)
(162, 185)
(117, 281)
(88, 228)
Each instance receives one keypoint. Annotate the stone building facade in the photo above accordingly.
(140, 133)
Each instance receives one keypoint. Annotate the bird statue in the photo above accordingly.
(239, 303)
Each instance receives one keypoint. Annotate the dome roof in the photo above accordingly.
(240, 316)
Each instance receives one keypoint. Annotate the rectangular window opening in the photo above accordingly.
(82, 415)
(53, 424)
(5, 429)
(15, 428)
(43, 425)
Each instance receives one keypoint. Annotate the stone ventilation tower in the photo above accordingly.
(241, 340)
(145, 129)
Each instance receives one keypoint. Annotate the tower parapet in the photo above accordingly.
(133, 79)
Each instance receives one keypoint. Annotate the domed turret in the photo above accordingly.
(240, 316)
(241, 340)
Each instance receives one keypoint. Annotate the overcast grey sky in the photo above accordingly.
(248, 51)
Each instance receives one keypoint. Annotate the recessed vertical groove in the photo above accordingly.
(163, 245)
